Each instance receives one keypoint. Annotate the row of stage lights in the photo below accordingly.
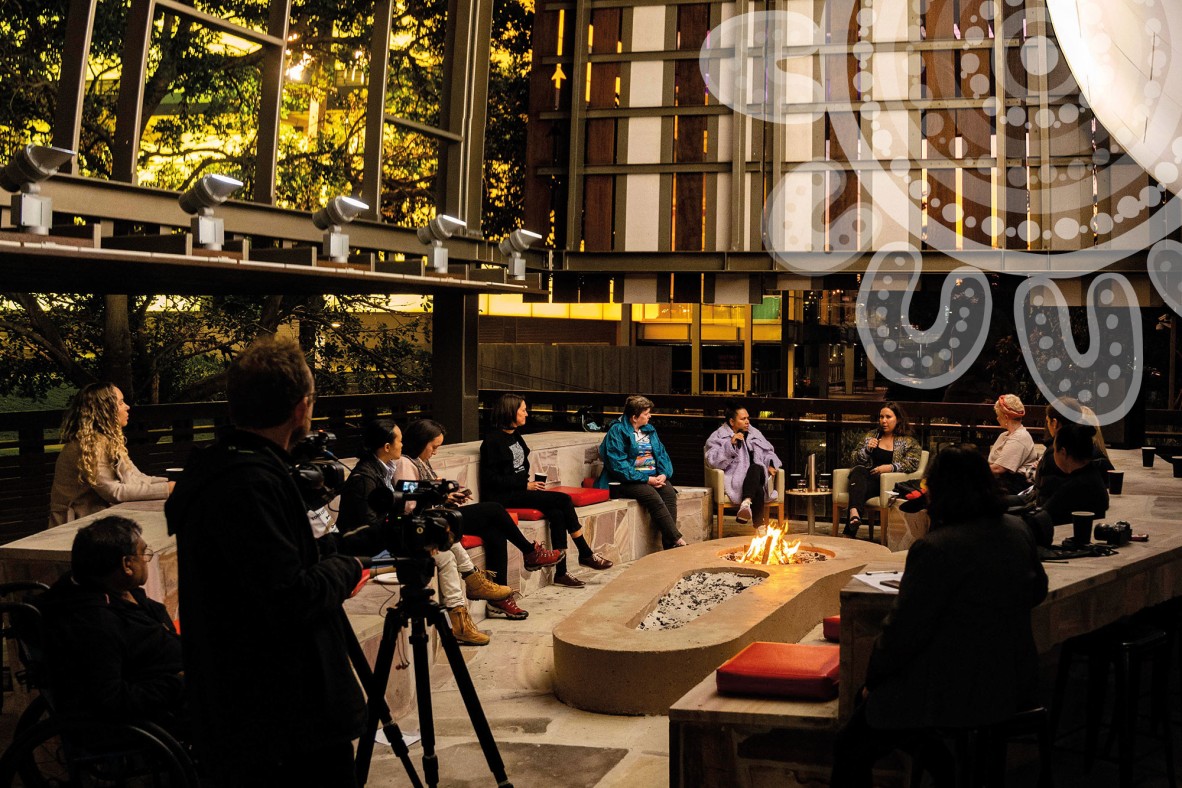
(32, 212)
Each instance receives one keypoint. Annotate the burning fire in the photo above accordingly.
(774, 548)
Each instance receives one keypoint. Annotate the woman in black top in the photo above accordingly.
(1081, 488)
(887, 449)
(1047, 476)
(957, 649)
(504, 477)
(358, 519)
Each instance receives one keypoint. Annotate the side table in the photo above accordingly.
(810, 496)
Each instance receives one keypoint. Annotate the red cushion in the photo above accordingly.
(527, 514)
(468, 542)
(584, 496)
(589, 481)
(831, 628)
(788, 670)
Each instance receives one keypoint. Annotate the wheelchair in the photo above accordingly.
(52, 749)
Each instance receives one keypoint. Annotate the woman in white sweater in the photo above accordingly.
(93, 471)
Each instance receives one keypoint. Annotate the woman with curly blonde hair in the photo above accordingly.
(93, 471)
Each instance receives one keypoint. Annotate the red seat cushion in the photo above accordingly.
(468, 542)
(584, 496)
(526, 514)
(831, 628)
(788, 670)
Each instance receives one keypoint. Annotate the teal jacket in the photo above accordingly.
(618, 451)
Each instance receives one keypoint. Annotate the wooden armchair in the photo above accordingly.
(887, 482)
(716, 483)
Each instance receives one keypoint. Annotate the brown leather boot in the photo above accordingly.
(464, 629)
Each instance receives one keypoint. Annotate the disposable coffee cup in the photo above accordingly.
(172, 474)
(1116, 482)
(540, 477)
(1147, 455)
(1081, 524)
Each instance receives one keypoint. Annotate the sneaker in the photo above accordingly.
(465, 631)
(744, 515)
(540, 556)
(481, 586)
(506, 608)
(595, 561)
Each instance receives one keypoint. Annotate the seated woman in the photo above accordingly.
(504, 478)
(359, 515)
(1082, 486)
(1014, 449)
(487, 520)
(93, 470)
(111, 650)
(747, 460)
(1047, 475)
(888, 449)
(957, 648)
(636, 465)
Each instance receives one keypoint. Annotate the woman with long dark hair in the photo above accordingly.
(887, 449)
(486, 519)
(957, 649)
(504, 478)
(93, 470)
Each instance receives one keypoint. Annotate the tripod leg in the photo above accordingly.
(375, 682)
(418, 643)
(459, 670)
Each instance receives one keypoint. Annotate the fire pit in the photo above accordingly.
(604, 663)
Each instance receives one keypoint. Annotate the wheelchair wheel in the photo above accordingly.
(95, 754)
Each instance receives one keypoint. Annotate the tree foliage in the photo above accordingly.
(200, 106)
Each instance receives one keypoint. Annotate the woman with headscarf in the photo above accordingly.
(1014, 448)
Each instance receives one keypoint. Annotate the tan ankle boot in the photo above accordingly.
(464, 629)
(480, 585)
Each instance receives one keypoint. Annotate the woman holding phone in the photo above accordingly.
(888, 449)
(487, 520)
(505, 478)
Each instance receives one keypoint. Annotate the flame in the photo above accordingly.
(774, 548)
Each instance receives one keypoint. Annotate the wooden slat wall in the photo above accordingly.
(693, 22)
(576, 368)
(599, 190)
(547, 140)
(843, 126)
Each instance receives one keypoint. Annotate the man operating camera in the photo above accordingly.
(274, 698)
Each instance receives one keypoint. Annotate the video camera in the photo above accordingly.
(434, 524)
(317, 472)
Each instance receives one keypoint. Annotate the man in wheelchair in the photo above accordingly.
(111, 650)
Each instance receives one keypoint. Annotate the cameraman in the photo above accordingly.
(274, 697)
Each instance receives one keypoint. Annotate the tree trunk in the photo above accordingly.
(117, 345)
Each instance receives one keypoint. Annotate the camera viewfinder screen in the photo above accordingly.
(407, 486)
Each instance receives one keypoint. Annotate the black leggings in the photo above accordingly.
(496, 528)
(863, 486)
(556, 507)
(754, 484)
(659, 502)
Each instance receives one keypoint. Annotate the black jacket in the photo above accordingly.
(957, 647)
(504, 464)
(359, 522)
(1080, 491)
(261, 618)
(110, 657)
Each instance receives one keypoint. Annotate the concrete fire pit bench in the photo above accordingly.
(603, 663)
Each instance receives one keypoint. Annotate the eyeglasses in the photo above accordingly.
(147, 555)
(311, 397)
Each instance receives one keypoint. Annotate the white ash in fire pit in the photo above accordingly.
(694, 595)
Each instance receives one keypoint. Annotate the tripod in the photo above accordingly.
(416, 609)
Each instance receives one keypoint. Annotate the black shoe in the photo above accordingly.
(852, 526)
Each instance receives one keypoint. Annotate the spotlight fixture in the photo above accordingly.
(200, 200)
(338, 211)
(434, 233)
(512, 246)
(31, 212)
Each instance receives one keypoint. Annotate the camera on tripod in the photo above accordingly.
(317, 472)
(433, 525)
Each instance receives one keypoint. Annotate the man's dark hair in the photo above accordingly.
(1078, 440)
(266, 382)
(99, 548)
(962, 487)
(504, 413)
(731, 409)
(376, 434)
(418, 434)
(635, 405)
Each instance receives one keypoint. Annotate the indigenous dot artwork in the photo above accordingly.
(926, 149)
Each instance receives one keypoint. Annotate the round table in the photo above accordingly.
(810, 496)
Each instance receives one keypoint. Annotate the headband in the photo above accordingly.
(1009, 412)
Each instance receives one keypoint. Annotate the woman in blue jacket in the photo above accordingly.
(636, 465)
